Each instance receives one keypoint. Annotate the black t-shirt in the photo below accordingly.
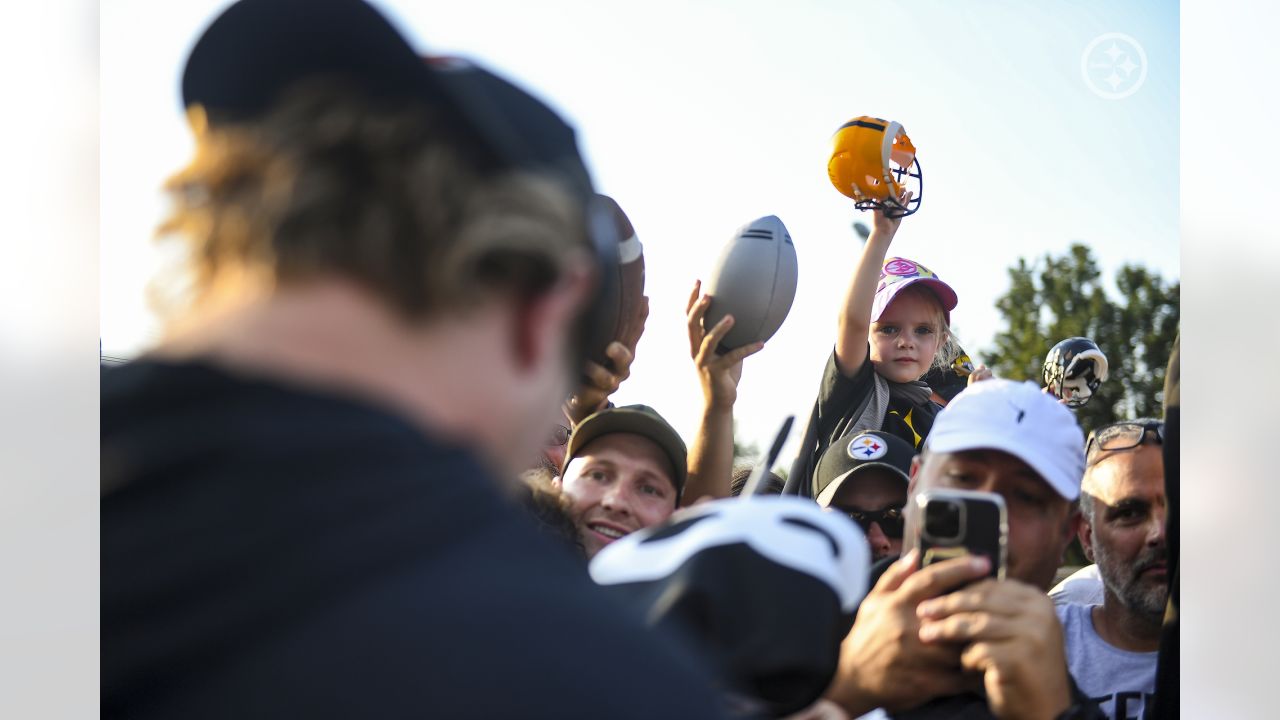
(840, 399)
(269, 551)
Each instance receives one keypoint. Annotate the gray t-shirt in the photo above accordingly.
(1083, 587)
(1121, 682)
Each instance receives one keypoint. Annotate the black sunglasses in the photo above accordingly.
(889, 520)
(1121, 436)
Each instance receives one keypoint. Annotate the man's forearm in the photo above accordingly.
(711, 456)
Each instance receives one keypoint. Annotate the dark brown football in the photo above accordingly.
(630, 274)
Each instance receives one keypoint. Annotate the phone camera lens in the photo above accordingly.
(942, 520)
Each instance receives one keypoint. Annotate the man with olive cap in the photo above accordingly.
(624, 470)
(865, 476)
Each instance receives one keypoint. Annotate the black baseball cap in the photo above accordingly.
(855, 453)
(639, 420)
(257, 50)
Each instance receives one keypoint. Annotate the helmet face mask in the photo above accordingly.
(1074, 370)
(1079, 391)
(874, 162)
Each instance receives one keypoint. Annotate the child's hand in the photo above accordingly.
(980, 373)
(882, 225)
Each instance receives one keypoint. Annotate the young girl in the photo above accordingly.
(895, 324)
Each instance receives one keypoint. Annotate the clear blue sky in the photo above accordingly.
(700, 116)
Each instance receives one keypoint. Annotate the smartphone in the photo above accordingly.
(957, 523)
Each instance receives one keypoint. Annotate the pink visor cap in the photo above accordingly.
(900, 273)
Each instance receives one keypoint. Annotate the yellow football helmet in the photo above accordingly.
(873, 161)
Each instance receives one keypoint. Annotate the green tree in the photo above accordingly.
(1053, 298)
(749, 453)
(743, 452)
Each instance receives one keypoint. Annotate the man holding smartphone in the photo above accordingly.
(947, 641)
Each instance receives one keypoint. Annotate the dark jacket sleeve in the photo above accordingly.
(838, 397)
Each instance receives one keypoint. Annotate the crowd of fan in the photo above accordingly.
(310, 497)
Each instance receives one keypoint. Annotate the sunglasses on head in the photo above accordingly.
(1121, 436)
(889, 520)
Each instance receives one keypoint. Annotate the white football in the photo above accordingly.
(755, 281)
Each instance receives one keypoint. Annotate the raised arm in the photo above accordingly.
(855, 311)
(711, 454)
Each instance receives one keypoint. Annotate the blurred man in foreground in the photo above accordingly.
(302, 511)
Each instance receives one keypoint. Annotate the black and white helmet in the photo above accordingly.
(1073, 370)
(766, 588)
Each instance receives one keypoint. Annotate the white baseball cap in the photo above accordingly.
(1017, 418)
